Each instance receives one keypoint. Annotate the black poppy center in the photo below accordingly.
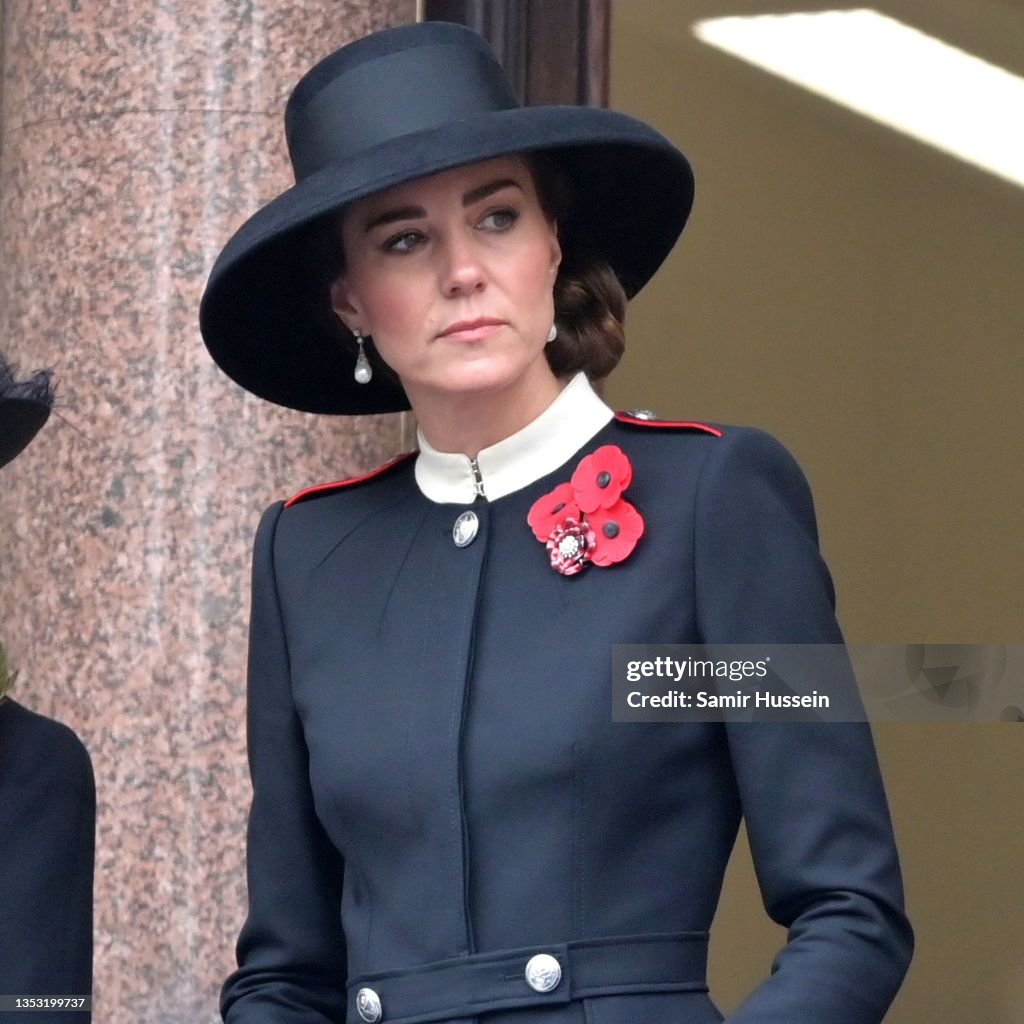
(610, 529)
(604, 479)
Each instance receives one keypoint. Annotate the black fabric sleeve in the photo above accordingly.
(812, 794)
(291, 951)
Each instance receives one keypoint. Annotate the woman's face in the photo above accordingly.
(453, 275)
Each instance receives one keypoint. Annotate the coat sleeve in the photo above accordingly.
(291, 952)
(811, 792)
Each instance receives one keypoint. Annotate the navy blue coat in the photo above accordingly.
(440, 792)
(47, 844)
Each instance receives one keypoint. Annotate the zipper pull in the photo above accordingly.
(478, 480)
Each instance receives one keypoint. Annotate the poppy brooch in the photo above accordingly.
(587, 520)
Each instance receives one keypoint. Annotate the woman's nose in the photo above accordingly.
(463, 270)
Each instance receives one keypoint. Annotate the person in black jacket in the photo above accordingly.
(47, 812)
(447, 824)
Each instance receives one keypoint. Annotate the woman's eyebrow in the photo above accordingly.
(474, 195)
(390, 216)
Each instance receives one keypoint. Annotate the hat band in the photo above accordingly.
(400, 93)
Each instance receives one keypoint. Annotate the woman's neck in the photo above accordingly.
(469, 422)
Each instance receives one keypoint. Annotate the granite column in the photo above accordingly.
(137, 134)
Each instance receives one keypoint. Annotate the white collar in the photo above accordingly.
(543, 445)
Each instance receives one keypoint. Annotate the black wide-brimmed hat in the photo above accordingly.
(389, 108)
(24, 408)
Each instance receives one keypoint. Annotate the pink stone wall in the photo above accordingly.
(137, 135)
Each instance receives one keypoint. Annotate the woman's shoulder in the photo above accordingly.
(30, 740)
(351, 483)
(16, 719)
(714, 462)
(703, 439)
(315, 518)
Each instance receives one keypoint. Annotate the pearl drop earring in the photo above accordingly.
(552, 334)
(363, 371)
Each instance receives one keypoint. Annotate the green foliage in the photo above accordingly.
(6, 678)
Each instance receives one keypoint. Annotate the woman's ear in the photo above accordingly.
(342, 304)
(556, 248)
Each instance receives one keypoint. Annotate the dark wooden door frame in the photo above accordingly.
(554, 51)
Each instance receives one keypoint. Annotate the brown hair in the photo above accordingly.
(590, 303)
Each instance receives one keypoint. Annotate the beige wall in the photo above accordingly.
(858, 294)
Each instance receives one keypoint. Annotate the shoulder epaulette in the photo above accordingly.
(646, 418)
(337, 485)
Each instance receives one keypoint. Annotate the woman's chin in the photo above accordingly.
(478, 377)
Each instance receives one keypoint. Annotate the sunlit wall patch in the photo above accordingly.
(892, 73)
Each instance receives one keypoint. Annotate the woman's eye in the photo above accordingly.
(405, 242)
(500, 220)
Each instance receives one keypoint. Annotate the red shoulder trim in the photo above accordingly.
(645, 421)
(337, 485)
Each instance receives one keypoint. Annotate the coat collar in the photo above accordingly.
(543, 445)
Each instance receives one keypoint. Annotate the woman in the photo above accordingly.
(47, 808)
(446, 824)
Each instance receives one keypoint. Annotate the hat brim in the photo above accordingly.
(20, 420)
(265, 319)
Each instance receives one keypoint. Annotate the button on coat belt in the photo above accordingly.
(482, 982)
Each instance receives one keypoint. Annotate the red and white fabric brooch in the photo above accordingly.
(587, 520)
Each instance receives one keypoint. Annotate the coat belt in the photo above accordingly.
(508, 979)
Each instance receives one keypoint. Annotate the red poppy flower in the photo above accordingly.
(587, 520)
(547, 512)
(601, 478)
(571, 546)
(616, 530)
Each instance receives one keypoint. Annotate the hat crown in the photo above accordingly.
(414, 78)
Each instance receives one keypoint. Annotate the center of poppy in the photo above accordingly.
(604, 478)
(569, 547)
(610, 529)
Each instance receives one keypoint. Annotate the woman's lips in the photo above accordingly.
(471, 330)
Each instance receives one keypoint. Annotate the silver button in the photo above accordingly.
(368, 1005)
(465, 529)
(543, 972)
(642, 414)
